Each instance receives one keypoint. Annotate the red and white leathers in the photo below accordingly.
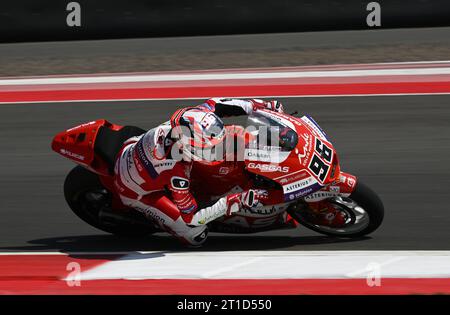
(148, 179)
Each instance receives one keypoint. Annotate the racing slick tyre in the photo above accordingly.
(87, 198)
(363, 209)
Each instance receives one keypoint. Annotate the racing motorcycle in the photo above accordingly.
(301, 166)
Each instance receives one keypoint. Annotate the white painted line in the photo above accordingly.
(274, 265)
(227, 269)
(224, 76)
(408, 62)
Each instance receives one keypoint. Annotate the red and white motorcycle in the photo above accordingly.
(302, 169)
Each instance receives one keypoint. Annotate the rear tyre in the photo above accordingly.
(364, 209)
(86, 196)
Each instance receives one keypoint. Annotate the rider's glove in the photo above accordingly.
(276, 106)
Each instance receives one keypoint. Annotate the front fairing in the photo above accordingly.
(299, 170)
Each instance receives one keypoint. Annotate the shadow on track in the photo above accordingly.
(110, 243)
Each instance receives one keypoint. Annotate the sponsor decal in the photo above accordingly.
(163, 166)
(129, 160)
(289, 179)
(142, 157)
(269, 167)
(180, 183)
(351, 182)
(304, 156)
(300, 193)
(211, 217)
(261, 211)
(224, 170)
(320, 195)
(257, 154)
(303, 192)
(72, 154)
(298, 185)
(201, 236)
(151, 213)
(270, 148)
(188, 210)
(335, 189)
(275, 156)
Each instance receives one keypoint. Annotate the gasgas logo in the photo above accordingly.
(265, 168)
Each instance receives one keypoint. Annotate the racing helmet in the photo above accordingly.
(201, 133)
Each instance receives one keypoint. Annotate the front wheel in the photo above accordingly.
(363, 212)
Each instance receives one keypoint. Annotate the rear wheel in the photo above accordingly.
(363, 213)
(88, 199)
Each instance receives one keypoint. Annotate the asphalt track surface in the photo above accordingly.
(233, 51)
(399, 145)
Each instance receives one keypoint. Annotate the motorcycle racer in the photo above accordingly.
(152, 171)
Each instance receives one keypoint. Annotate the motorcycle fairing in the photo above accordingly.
(78, 143)
(344, 187)
(314, 126)
(313, 159)
(255, 220)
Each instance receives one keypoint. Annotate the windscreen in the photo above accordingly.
(270, 133)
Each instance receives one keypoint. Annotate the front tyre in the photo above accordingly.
(87, 197)
(363, 210)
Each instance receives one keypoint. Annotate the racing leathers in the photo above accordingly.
(149, 179)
